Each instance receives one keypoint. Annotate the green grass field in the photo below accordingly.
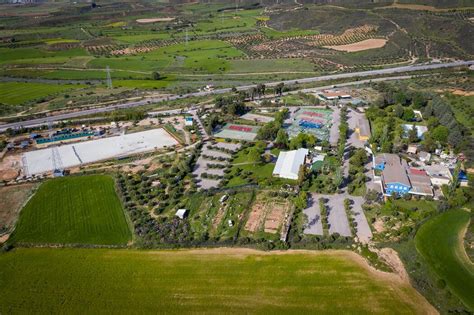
(217, 281)
(15, 93)
(439, 241)
(74, 210)
(201, 56)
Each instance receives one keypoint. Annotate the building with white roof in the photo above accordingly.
(289, 163)
(181, 213)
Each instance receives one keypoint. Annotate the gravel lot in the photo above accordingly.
(338, 222)
(201, 163)
(337, 218)
(314, 226)
(363, 229)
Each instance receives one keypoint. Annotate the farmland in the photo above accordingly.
(221, 42)
(74, 210)
(15, 93)
(111, 281)
(439, 241)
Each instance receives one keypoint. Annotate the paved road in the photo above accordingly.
(45, 120)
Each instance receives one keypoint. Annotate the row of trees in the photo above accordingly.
(270, 130)
(398, 102)
(357, 176)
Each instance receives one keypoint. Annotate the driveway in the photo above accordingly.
(336, 121)
(353, 121)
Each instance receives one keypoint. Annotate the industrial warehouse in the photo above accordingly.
(70, 155)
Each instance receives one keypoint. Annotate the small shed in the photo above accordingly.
(182, 213)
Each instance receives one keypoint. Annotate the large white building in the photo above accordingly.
(289, 163)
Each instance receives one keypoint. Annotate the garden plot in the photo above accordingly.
(257, 118)
(315, 121)
(276, 216)
(238, 132)
(268, 215)
(41, 161)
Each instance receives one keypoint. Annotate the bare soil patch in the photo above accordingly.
(269, 214)
(462, 93)
(219, 216)
(12, 199)
(379, 225)
(359, 46)
(276, 217)
(421, 7)
(256, 216)
(154, 20)
(10, 167)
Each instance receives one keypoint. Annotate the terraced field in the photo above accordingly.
(74, 210)
(197, 281)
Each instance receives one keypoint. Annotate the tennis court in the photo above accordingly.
(315, 121)
(238, 132)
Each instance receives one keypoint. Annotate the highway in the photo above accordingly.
(105, 109)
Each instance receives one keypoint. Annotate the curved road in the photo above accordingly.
(45, 120)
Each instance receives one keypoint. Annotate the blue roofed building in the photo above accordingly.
(394, 174)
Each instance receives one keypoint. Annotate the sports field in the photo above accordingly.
(315, 121)
(74, 210)
(219, 281)
(439, 241)
(238, 132)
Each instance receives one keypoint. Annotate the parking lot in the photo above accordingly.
(314, 225)
(363, 229)
(337, 218)
(201, 163)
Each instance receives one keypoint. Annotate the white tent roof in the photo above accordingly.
(288, 163)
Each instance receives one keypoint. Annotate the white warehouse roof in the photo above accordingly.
(288, 163)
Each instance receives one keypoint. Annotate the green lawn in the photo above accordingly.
(15, 93)
(77, 210)
(439, 241)
(221, 281)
